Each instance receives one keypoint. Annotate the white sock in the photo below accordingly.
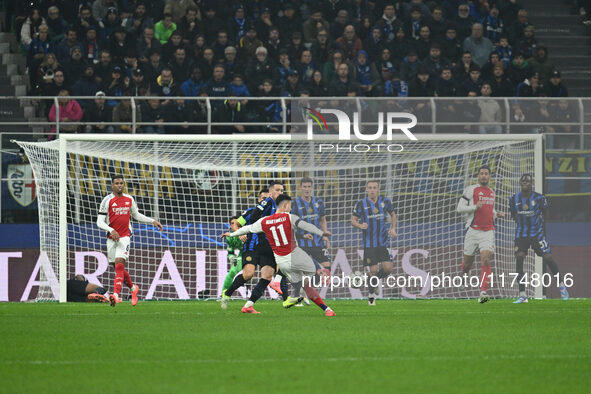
(248, 304)
(561, 284)
(277, 278)
(522, 293)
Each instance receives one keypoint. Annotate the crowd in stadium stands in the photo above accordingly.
(270, 48)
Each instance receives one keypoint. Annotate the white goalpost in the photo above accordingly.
(193, 184)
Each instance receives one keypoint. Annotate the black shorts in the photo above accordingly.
(76, 290)
(539, 245)
(318, 253)
(261, 256)
(373, 256)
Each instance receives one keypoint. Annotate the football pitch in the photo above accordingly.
(194, 346)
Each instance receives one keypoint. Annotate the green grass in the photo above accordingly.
(410, 346)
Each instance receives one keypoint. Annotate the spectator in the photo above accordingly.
(211, 24)
(268, 110)
(264, 24)
(451, 47)
(363, 27)
(343, 83)
(109, 24)
(519, 69)
(540, 63)
(480, 47)
(122, 113)
(515, 32)
(174, 42)
(181, 65)
(115, 84)
(99, 113)
(139, 21)
(295, 47)
(152, 112)
(259, 68)
(102, 70)
(207, 63)
(490, 112)
(57, 26)
(273, 43)
(434, 62)
(220, 45)
(217, 86)
(146, 43)
(198, 47)
(413, 25)
(474, 82)
(192, 86)
(422, 85)
(69, 112)
(165, 86)
(284, 66)
(249, 43)
(464, 22)
(237, 24)
(86, 85)
(321, 48)
(154, 67)
(292, 87)
(177, 111)
(238, 87)
(84, 21)
(290, 23)
(437, 23)
(447, 86)
(493, 25)
(229, 111)
(91, 46)
(423, 43)
(315, 23)
(564, 113)
(30, 29)
(400, 46)
(385, 62)
(366, 74)
(530, 87)
(190, 25)
(64, 48)
(138, 86)
(54, 81)
(74, 66)
(120, 44)
(100, 8)
(349, 43)
(231, 64)
(528, 43)
(505, 52)
(373, 44)
(40, 46)
(179, 8)
(164, 29)
(395, 87)
(317, 87)
(409, 66)
(329, 71)
(509, 11)
(338, 26)
(554, 87)
(500, 85)
(486, 72)
(306, 67)
(331, 8)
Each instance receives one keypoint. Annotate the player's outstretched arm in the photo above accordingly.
(299, 223)
(251, 228)
(135, 213)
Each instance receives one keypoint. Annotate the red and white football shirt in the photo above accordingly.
(119, 211)
(482, 218)
(278, 228)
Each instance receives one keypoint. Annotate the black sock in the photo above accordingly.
(284, 288)
(553, 267)
(238, 281)
(259, 289)
(519, 267)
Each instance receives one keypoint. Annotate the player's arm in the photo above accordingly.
(356, 216)
(512, 208)
(257, 213)
(324, 227)
(101, 220)
(251, 228)
(309, 227)
(464, 204)
(135, 213)
(392, 231)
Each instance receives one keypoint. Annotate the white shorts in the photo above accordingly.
(119, 249)
(295, 265)
(477, 240)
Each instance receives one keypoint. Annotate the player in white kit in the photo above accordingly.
(293, 262)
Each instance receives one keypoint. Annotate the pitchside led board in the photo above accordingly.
(193, 184)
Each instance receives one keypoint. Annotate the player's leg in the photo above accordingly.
(95, 293)
(276, 283)
(470, 249)
(248, 267)
(236, 268)
(542, 248)
(371, 284)
(118, 281)
(521, 248)
(266, 261)
(487, 249)
(303, 267)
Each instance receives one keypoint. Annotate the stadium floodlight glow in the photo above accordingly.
(192, 184)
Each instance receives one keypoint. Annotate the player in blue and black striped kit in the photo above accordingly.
(528, 209)
(371, 216)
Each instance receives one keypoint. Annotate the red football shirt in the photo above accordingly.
(118, 211)
(277, 227)
(483, 219)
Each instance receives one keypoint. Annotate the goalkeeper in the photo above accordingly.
(234, 249)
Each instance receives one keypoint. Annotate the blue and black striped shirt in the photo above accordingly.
(529, 214)
(310, 212)
(376, 216)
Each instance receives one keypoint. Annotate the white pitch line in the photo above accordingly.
(313, 359)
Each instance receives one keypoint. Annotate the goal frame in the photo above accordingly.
(64, 139)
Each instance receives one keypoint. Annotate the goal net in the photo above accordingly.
(194, 184)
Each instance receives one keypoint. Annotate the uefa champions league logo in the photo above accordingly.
(344, 130)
